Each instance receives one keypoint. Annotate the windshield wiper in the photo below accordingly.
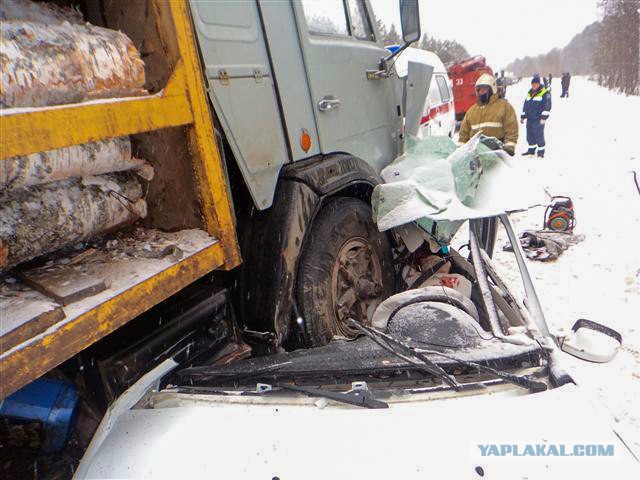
(524, 382)
(532, 385)
(212, 372)
(401, 350)
(359, 397)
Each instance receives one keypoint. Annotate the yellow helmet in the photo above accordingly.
(488, 81)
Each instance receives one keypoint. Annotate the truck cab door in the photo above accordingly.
(242, 90)
(353, 114)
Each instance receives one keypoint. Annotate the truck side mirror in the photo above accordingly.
(591, 341)
(410, 20)
(410, 23)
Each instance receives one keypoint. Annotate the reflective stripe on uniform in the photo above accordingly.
(509, 144)
(542, 92)
(546, 112)
(487, 125)
(541, 148)
(538, 96)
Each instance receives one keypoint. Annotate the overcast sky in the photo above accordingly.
(501, 30)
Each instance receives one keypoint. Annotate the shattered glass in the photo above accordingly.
(440, 185)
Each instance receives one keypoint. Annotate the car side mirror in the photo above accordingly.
(591, 341)
(410, 20)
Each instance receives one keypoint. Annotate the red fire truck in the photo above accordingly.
(463, 75)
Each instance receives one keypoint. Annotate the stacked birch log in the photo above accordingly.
(53, 199)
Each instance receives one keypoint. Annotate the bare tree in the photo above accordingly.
(617, 56)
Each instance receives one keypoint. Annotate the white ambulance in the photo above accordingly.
(439, 116)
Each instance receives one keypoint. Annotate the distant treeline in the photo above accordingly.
(576, 57)
(449, 51)
(609, 49)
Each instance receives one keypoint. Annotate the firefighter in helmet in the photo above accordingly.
(491, 115)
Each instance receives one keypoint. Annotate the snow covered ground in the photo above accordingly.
(593, 144)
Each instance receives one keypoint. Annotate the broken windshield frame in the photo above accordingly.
(535, 308)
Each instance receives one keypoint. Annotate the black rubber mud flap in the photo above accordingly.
(270, 252)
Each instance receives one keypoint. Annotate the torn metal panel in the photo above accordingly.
(434, 183)
(201, 326)
(417, 83)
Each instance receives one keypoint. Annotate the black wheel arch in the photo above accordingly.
(275, 238)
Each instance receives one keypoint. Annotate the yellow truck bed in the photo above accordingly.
(39, 332)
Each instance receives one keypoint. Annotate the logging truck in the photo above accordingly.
(255, 131)
(184, 185)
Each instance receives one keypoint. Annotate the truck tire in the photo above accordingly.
(345, 271)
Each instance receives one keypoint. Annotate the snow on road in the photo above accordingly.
(593, 144)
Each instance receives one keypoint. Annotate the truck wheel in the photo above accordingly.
(345, 271)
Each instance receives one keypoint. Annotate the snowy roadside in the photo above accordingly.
(592, 147)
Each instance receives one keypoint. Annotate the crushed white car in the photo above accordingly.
(442, 385)
(453, 377)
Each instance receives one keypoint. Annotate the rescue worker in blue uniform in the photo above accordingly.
(535, 111)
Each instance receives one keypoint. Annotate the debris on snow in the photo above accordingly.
(545, 245)
(590, 281)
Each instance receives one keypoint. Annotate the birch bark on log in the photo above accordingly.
(39, 220)
(95, 158)
(49, 56)
(57, 64)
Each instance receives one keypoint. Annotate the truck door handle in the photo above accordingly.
(328, 103)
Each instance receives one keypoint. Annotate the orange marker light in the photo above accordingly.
(305, 140)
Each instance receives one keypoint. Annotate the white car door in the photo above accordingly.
(442, 114)
(429, 117)
(446, 113)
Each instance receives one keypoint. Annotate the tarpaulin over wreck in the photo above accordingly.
(436, 181)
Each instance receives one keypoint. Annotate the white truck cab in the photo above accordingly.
(288, 82)
(310, 107)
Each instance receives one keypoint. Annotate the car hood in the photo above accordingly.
(196, 436)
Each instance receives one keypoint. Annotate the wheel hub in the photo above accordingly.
(356, 285)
